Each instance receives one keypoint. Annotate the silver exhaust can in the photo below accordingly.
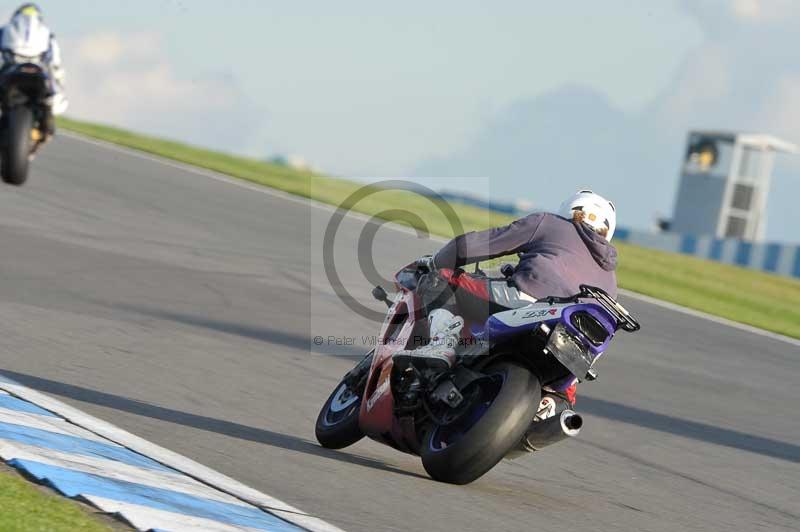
(544, 433)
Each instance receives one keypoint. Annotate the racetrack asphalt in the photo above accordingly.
(182, 309)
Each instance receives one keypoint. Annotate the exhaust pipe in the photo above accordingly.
(544, 433)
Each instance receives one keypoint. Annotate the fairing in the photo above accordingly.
(512, 322)
(557, 318)
(376, 416)
(26, 37)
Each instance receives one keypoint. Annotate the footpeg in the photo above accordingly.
(447, 393)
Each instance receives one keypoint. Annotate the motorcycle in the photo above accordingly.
(24, 88)
(465, 420)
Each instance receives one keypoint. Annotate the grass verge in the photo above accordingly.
(25, 507)
(766, 301)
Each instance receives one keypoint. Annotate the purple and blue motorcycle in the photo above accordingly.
(463, 421)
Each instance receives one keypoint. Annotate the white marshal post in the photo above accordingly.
(725, 184)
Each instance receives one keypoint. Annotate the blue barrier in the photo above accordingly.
(743, 253)
(773, 255)
(783, 259)
(796, 271)
(689, 244)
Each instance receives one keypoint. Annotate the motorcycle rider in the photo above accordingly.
(27, 39)
(558, 253)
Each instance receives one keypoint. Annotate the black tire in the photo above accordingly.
(338, 427)
(17, 146)
(449, 455)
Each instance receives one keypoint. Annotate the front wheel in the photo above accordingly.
(337, 423)
(464, 450)
(17, 145)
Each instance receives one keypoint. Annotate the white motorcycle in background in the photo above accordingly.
(23, 123)
(28, 99)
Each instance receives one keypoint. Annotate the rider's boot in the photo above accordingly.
(440, 353)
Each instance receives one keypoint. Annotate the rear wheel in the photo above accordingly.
(465, 449)
(17, 145)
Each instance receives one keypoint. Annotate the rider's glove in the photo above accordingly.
(426, 263)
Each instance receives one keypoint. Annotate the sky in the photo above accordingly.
(509, 99)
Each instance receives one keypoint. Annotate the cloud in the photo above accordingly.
(744, 76)
(720, 17)
(733, 76)
(126, 80)
(547, 147)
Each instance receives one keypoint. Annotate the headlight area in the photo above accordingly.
(570, 351)
(10, 57)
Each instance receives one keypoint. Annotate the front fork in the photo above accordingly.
(357, 377)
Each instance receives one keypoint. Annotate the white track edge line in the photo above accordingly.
(171, 459)
(710, 317)
(397, 227)
(249, 185)
(239, 182)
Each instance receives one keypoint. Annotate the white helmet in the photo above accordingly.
(600, 213)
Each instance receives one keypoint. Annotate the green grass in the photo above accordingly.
(307, 184)
(767, 301)
(25, 508)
